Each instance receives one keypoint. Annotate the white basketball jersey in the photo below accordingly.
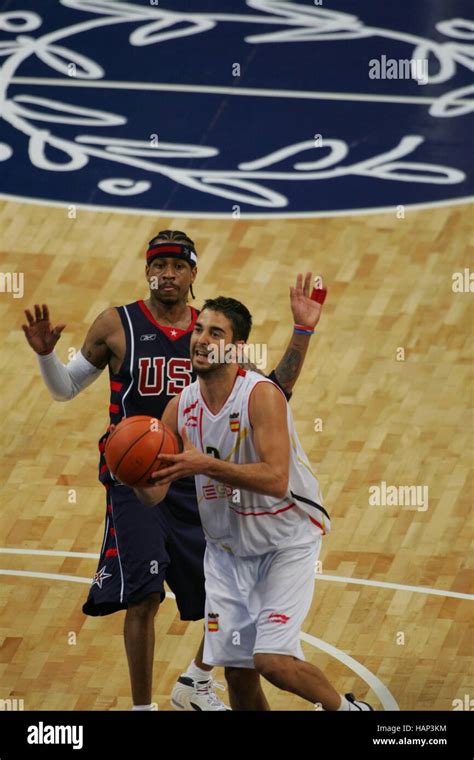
(243, 522)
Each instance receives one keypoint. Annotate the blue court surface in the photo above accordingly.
(232, 108)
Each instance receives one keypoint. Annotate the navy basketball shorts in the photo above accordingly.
(142, 548)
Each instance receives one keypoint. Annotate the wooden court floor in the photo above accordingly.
(389, 376)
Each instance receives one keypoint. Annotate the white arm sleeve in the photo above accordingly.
(65, 381)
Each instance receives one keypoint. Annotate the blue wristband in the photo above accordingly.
(301, 330)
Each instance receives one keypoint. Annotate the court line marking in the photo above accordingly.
(167, 213)
(395, 586)
(259, 92)
(385, 696)
(382, 692)
(47, 576)
(49, 553)
(318, 576)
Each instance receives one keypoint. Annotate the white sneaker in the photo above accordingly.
(189, 694)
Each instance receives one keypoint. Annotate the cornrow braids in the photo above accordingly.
(177, 235)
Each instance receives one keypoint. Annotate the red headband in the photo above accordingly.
(174, 250)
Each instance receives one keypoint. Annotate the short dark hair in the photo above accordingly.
(235, 311)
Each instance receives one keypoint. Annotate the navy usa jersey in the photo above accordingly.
(156, 367)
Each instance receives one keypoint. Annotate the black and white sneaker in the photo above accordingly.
(356, 704)
(190, 694)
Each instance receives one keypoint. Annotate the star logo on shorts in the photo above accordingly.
(100, 576)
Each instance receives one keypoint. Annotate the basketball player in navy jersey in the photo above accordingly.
(145, 346)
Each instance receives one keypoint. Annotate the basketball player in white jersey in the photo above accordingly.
(261, 509)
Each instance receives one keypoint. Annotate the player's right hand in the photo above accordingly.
(39, 333)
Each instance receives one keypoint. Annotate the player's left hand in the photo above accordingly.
(306, 310)
(190, 462)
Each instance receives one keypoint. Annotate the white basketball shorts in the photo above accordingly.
(257, 604)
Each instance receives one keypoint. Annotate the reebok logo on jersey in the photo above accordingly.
(151, 336)
(234, 422)
(212, 621)
(274, 617)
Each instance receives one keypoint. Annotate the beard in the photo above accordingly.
(206, 371)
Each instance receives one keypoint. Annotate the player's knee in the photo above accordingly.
(242, 679)
(145, 608)
(273, 667)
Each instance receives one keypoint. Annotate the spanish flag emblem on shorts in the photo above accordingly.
(212, 621)
(234, 422)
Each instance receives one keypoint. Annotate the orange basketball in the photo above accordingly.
(133, 446)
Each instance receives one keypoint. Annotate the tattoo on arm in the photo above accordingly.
(289, 368)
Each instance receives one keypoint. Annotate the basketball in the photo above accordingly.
(132, 449)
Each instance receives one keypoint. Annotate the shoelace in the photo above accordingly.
(206, 688)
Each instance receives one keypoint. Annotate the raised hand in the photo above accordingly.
(306, 306)
(39, 333)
